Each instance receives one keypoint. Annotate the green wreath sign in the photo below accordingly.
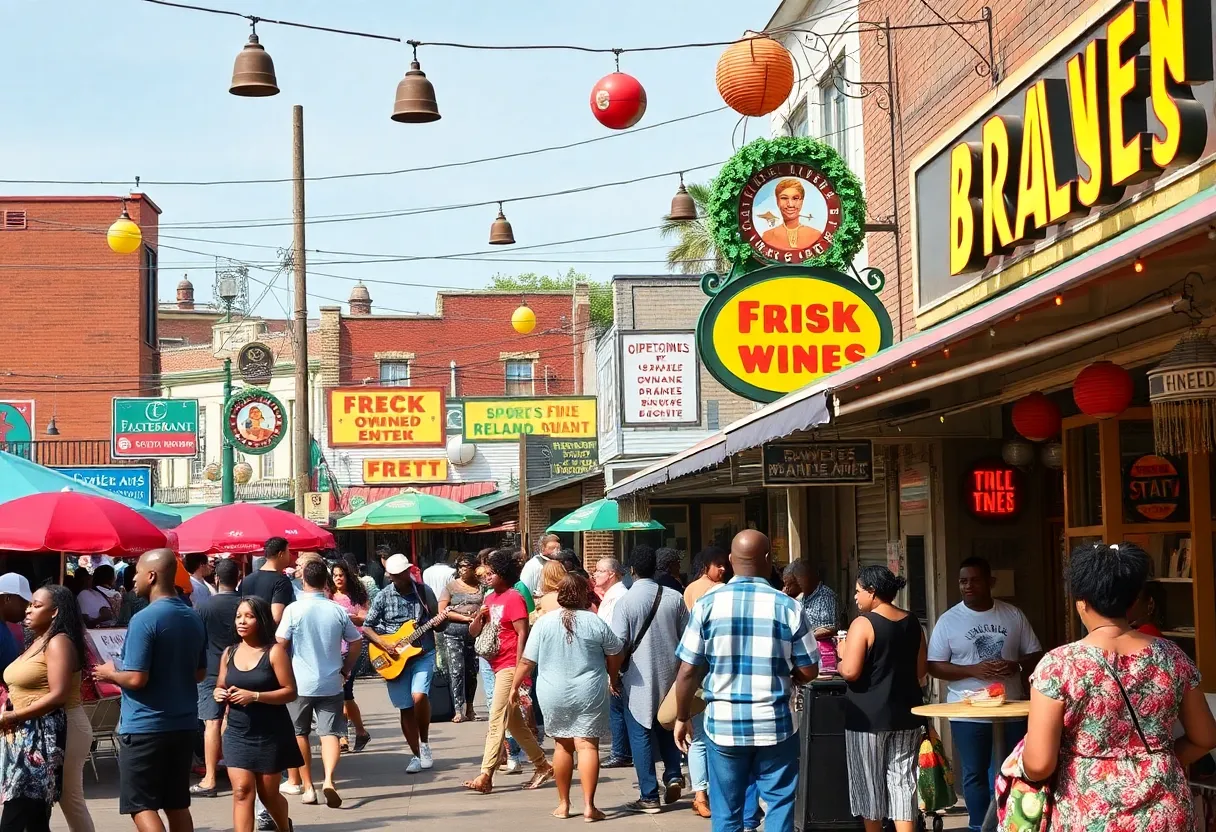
(835, 230)
(254, 420)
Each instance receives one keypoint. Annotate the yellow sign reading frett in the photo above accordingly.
(370, 417)
(488, 420)
(404, 470)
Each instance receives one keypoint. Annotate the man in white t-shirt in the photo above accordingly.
(530, 575)
(976, 643)
(440, 573)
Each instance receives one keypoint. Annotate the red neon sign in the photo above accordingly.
(992, 491)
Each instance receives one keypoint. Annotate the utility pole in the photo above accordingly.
(300, 430)
(227, 455)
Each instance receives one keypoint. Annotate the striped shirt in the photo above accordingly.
(751, 637)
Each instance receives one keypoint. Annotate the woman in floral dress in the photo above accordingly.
(1082, 729)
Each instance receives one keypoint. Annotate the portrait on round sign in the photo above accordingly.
(791, 212)
(256, 423)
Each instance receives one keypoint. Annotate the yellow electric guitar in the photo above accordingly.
(405, 641)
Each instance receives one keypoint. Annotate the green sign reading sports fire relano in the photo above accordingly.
(145, 428)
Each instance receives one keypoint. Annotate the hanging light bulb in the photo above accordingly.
(253, 71)
(1138, 265)
(500, 230)
(415, 102)
(124, 236)
(683, 208)
(523, 319)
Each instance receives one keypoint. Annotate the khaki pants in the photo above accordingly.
(505, 718)
(75, 755)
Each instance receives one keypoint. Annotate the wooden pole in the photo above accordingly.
(524, 536)
(300, 430)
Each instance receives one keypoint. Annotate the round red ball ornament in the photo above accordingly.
(1036, 417)
(1103, 390)
(618, 101)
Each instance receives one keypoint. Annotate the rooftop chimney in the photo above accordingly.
(360, 300)
(185, 294)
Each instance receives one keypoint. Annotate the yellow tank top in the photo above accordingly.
(27, 681)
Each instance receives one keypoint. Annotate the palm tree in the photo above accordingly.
(694, 251)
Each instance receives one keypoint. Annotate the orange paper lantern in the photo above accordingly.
(1036, 417)
(1103, 390)
(755, 75)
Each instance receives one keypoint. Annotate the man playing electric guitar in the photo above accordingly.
(400, 601)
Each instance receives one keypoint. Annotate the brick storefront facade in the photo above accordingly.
(80, 321)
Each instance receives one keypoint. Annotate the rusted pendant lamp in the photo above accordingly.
(683, 209)
(500, 230)
(253, 71)
(415, 102)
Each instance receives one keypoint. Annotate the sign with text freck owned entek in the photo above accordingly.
(660, 379)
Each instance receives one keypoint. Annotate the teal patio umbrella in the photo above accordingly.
(601, 516)
(19, 477)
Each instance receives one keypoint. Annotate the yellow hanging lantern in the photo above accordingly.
(523, 319)
(124, 235)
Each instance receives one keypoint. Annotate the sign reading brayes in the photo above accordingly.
(1106, 113)
(489, 420)
(378, 417)
(254, 421)
(818, 463)
(660, 378)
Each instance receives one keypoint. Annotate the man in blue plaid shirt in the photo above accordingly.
(747, 643)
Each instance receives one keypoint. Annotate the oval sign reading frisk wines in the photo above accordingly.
(780, 328)
(789, 212)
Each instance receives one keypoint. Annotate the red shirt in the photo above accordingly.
(1149, 629)
(506, 608)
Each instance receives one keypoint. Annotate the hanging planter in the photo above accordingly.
(1182, 391)
(1103, 390)
(1036, 417)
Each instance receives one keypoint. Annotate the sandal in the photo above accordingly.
(198, 790)
(457, 719)
(540, 778)
(472, 786)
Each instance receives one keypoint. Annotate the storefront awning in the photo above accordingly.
(461, 492)
(811, 406)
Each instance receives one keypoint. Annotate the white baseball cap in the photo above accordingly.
(396, 565)
(12, 583)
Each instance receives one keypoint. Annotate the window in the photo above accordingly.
(835, 109)
(149, 296)
(395, 373)
(267, 466)
(200, 459)
(796, 124)
(519, 378)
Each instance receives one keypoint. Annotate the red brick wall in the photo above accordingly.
(935, 84)
(474, 331)
(191, 329)
(72, 308)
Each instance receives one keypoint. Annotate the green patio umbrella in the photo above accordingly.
(19, 477)
(413, 509)
(601, 516)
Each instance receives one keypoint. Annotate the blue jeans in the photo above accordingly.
(620, 734)
(772, 770)
(698, 764)
(974, 743)
(644, 742)
(752, 816)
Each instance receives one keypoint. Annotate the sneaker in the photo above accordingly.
(414, 767)
(266, 822)
(286, 788)
(513, 766)
(309, 798)
(673, 791)
(646, 807)
(618, 762)
(424, 754)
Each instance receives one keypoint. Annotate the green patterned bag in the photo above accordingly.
(934, 780)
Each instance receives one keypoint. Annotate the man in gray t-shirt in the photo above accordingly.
(649, 675)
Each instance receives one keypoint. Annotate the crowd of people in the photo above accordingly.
(705, 673)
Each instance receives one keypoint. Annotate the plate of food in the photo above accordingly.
(989, 697)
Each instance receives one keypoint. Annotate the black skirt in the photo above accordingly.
(264, 752)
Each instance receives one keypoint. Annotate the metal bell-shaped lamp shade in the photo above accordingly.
(683, 209)
(52, 429)
(415, 98)
(253, 72)
(124, 236)
(500, 232)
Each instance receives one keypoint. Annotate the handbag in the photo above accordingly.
(487, 643)
(1021, 804)
(627, 653)
(934, 780)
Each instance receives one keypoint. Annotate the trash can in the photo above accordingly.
(823, 772)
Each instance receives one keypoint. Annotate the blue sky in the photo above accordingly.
(124, 88)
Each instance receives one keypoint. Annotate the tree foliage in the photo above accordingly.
(601, 293)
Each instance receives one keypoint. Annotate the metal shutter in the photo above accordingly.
(871, 507)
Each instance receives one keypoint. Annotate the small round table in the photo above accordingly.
(998, 715)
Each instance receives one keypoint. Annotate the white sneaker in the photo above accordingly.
(424, 754)
(310, 798)
(287, 788)
(513, 766)
(414, 767)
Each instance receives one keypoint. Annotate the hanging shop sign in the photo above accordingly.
(992, 490)
(401, 470)
(148, 428)
(780, 328)
(131, 481)
(385, 417)
(1107, 110)
(493, 420)
(1155, 489)
(254, 421)
(16, 421)
(549, 459)
(255, 362)
(818, 463)
(660, 379)
(316, 507)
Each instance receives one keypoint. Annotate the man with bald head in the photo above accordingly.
(163, 658)
(746, 643)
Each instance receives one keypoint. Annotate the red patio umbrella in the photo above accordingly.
(244, 528)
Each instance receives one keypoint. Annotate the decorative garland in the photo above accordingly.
(723, 207)
(266, 401)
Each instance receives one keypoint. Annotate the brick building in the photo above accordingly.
(80, 320)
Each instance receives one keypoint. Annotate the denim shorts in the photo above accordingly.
(208, 709)
(415, 679)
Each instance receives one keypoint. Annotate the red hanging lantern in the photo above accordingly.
(618, 101)
(1036, 417)
(1102, 390)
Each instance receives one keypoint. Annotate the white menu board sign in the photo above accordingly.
(660, 379)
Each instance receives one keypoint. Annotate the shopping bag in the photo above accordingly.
(934, 780)
(1021, 805)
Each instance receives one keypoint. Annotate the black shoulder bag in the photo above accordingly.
(654, 608)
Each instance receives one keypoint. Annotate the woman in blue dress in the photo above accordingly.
(572, 652)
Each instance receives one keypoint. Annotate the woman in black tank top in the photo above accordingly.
(883, 661)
